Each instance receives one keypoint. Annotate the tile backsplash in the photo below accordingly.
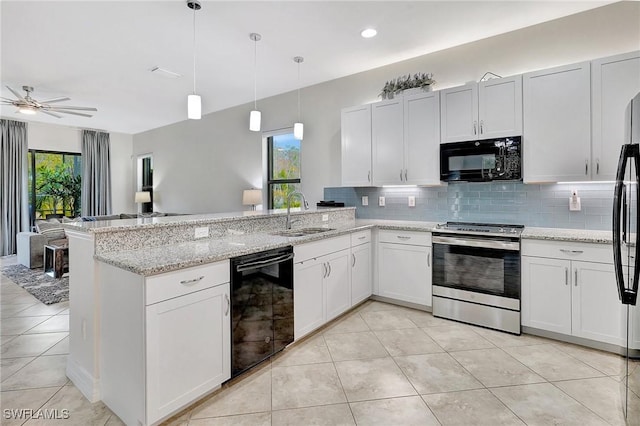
(543, 205)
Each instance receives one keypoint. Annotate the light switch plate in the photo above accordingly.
(381, 201)
(202, 232)
(412, 201)
(365, 200)
(574, 201)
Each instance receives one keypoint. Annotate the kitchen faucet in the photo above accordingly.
(304, 203)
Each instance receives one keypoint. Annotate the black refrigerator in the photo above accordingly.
(626, 242)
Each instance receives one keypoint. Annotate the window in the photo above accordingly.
(145, 180)
(54, 184)
(283, 170)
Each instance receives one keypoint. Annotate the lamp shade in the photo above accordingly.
(143, 197)
(194, 107)
(251, 197)
(298, 131)
(254, 121)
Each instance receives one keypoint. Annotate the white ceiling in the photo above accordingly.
(99, 53)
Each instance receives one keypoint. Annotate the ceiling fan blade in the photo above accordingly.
(71, 112)
(77, 108)
(50, 113)
(50, 101)
(16, 94)
(7, 99)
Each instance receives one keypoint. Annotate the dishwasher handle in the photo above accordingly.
(262, 263)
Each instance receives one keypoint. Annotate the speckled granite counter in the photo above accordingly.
(400, 225)
(576, 235)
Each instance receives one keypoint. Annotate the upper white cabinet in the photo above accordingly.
(387, 124)
(422, 139)
(406, 140)
(614, 81)
(489, 109)
(557, 124)
(356, 146)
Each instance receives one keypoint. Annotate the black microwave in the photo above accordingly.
(481, 161)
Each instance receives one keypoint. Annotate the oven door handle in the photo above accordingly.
(492, 244)
(263, 263)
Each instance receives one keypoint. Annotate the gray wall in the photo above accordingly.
(203, 166)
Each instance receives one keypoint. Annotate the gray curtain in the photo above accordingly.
(96, 173)
(14, 203)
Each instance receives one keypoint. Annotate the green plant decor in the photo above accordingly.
(395, 86)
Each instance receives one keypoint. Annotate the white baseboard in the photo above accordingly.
(88, 385)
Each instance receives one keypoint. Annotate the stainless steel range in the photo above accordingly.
(476, 274)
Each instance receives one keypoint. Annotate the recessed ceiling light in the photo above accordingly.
(368, 33)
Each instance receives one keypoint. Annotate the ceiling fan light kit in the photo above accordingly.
(194, 102)
(29, 106)
(255, 117)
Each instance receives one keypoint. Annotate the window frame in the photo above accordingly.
(270, 182)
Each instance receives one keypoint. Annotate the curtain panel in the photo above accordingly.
(96, 173)
(14, 202)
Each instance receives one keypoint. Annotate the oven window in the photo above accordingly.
(474, 272)
(473, 162)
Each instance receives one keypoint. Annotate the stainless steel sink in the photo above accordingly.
(300, 232)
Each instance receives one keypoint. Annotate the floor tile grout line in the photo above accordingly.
(578, 402)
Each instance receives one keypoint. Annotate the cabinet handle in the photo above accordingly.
(475, 131)
(400, 175)
(369, 176)
(481, 126)
(429, 260)
(586, 167)
(324, 270)
(362, 237)
(405, 175)
(572, 251)
(403, 237)
(329, 274)
(566, 276)
(353, 260)
(597, 166)
(193, 281)
(226, 296)
(576, 277)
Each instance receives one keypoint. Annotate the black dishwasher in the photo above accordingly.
(261, 306)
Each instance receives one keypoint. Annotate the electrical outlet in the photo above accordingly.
(365, 200)
(574, 201)
(412, 201)
(201, 232)
(325, 217)
(381, 201)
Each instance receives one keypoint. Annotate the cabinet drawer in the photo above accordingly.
(360, 237)
(405, 237)
(567, 250)
(320, 248)
(178, 283)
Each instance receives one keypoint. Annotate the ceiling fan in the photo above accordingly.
(27, 105)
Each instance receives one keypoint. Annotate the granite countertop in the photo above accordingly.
(574, 235)
(168, 258)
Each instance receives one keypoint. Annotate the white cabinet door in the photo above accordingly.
(308, 296)
(422, 139)
(337, 284)
(361, 282)
(459, 113)
(356, 146)
(500, 107)
(188, 349)
(596, 310)
(405, 273)
(614, 81)
(387, 134)
(546, 294)
(557, 124)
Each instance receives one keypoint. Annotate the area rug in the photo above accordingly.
(44, 288)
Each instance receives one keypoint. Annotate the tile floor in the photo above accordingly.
(379, 365)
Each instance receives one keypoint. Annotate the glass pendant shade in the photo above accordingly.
(298, 131)
(194, 107)
(254, 121)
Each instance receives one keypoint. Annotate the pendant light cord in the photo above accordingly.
(194, 50)
(299, 114)
(255, 73)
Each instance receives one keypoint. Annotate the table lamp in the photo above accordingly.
(251, 197)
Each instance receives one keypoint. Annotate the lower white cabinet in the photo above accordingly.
(165, 339)
(404, 266)
(572, 293)
(361, 282)
(322, 283)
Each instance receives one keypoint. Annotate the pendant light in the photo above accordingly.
(255, 116)
(194, 103)
(298, 127)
